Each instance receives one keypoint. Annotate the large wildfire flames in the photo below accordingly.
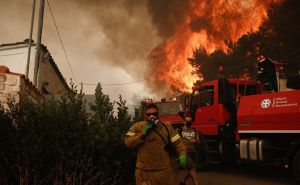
(209, 24)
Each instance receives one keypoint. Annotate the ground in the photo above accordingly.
(245, 174)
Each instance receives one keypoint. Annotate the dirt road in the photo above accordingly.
(246, 174)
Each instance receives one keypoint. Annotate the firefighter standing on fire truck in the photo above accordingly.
(150, 137)
(266, 73)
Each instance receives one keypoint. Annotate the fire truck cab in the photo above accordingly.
(214, 103)
(169, 112)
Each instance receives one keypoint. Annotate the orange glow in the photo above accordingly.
(210, 24)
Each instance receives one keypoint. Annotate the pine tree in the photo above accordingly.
(123, 117)
(103, 108)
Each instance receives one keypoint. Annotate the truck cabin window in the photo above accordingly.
(201, 98)
(169, 108)
(206, 96)
(244, 90)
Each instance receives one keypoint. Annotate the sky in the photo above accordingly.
(106, 41)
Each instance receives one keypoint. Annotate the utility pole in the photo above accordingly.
(30, 39)
(38, 42)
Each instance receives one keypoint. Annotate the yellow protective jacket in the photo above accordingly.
(151, 154)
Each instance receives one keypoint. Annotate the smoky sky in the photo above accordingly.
(127, 29)
(166, 14)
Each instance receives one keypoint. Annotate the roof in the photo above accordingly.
(44, 48)
(4, 69)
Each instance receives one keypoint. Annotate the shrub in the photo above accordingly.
(59, 143)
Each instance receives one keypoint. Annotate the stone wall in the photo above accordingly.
(9, 88)
(13, 84)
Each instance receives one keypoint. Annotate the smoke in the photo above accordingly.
(168, 14)
(127, 30)
(123, 30)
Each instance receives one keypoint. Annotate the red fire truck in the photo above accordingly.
(238, 121)
(168, 112)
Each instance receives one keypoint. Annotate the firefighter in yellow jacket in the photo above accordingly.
(150, 138)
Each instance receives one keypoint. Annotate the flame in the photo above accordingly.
(210, 24)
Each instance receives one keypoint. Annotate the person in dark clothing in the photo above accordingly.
(191, 139)
(266, 73)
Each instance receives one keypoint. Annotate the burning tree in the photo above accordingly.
(230, 33)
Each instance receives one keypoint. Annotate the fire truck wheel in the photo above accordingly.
(226, 151)
(296, 165)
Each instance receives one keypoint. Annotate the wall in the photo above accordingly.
(47, 73)
(9, 88)
(13, 84)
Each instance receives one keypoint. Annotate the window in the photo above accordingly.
(206, 96)
(169, 108)
(201, 98)
(244, 90)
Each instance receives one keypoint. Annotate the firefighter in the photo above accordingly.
(150, 138)
(210, 97)
(191, 139)
(266, 73)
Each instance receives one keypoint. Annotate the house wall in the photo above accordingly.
(11, 85)
(30, 91)
(47, 73)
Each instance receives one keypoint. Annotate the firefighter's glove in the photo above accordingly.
(183, 161)
(147, 127)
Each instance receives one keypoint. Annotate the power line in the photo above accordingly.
(115, 84)
(61, 42)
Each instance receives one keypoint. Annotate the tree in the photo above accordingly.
(139, 111)
(103, 108)
(123, 116)
(57, 143)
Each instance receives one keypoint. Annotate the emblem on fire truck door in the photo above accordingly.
(265, 103)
